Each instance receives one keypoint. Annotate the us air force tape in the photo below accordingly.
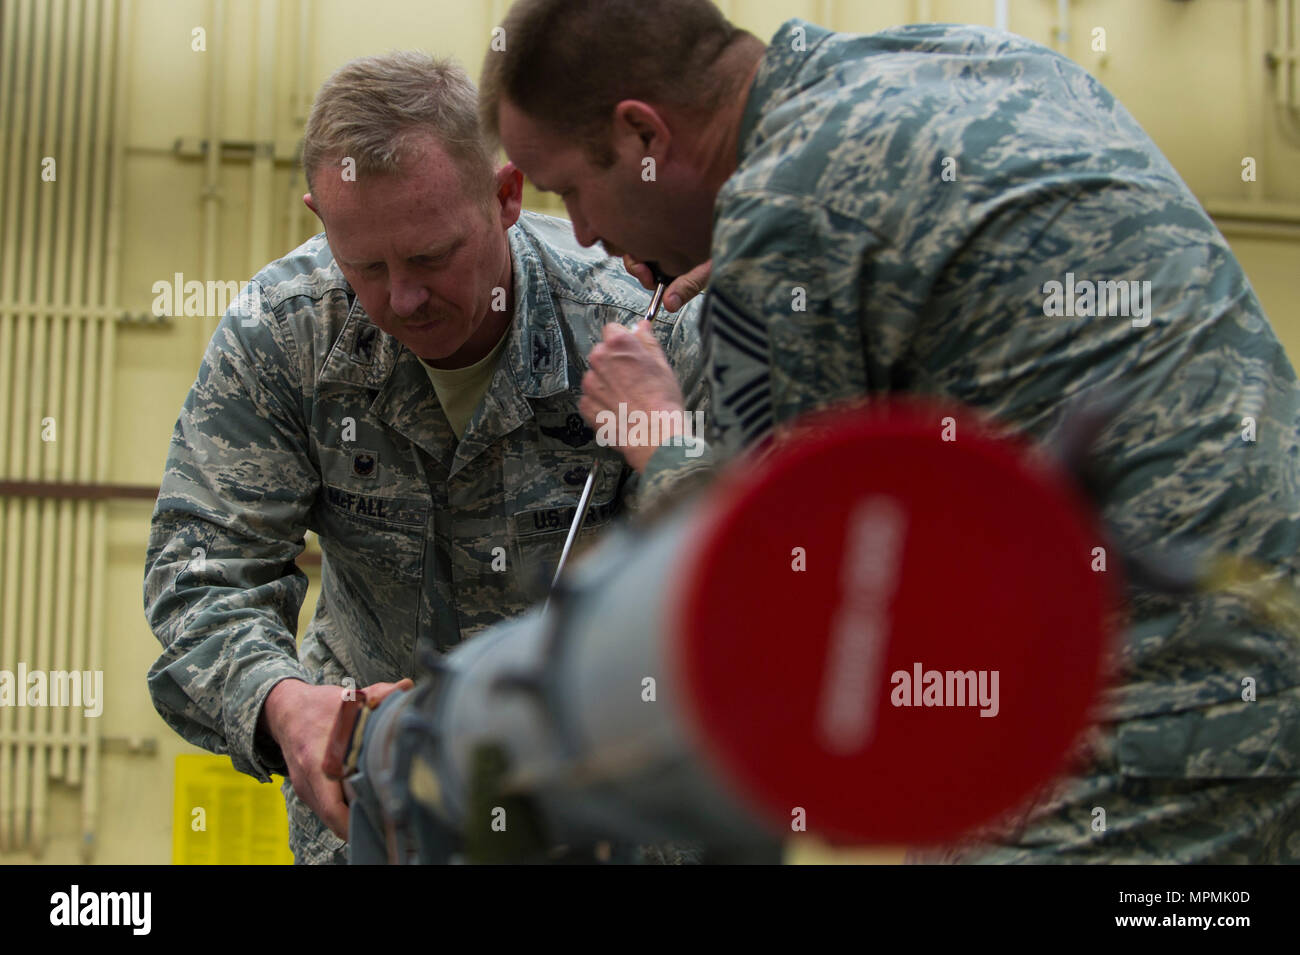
(894, 625)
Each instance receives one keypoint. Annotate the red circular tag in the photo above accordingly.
(893, 625)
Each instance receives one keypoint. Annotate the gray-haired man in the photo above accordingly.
(406, 385)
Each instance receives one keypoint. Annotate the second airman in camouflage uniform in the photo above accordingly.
(961, 213)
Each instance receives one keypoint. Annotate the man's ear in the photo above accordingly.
(640, 129)
(310, 203)
(509, 193)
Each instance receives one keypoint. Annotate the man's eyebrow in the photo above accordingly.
(428, 252)
(442, 248)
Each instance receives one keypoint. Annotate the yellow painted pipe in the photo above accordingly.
(262, 193)
(13, 99)
(212, 162)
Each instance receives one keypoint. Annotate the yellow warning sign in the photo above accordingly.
(222, 817)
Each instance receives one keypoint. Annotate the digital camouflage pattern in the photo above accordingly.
(1116, 813)
(902, 202)
(426, 540)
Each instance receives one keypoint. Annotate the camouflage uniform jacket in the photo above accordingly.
(305, 416)
(902, 204)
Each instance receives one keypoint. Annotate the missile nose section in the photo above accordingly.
(894, 626)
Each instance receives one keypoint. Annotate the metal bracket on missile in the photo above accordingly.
(414, 727)
(540, 683)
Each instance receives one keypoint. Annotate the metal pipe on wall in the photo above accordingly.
(1292, 50)
(87, 328)
(298, 106)
(83, 610)
(104, 407)
(8, 175)
(1256, 85)
(14, 99)
(49, 354)
(80, 572)
(262, 184)
(211, 196)
(1285, 53)
(76, 298)
(302, 96)
(60, 461)
(27, 437)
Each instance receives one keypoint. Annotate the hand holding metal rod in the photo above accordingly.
(584, 501)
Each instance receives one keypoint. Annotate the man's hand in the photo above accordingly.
(299, 717)
(681, 290)
(630, 368)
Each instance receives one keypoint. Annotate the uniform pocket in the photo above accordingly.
(384, 534)
(538, 537)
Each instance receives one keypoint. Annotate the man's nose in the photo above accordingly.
(406, 295)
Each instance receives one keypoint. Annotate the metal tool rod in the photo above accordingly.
(653, 310)
(579, 517)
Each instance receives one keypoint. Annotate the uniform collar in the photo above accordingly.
(535, 356)
(790, 49)
(533, 365)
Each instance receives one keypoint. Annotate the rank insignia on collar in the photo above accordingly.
(541, 353)
(363, 347)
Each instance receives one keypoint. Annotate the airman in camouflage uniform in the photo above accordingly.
(942, 211)
(306, 416)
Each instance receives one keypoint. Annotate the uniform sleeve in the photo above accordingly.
(221, 590)
(783, 321)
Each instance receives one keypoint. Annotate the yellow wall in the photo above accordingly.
(1189, 72)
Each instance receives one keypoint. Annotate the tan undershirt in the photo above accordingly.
(460, 390)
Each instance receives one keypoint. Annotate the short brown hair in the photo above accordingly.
(380, 111)
(568, 63)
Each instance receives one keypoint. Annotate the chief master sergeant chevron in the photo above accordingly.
(409, 391)
(900, 212)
